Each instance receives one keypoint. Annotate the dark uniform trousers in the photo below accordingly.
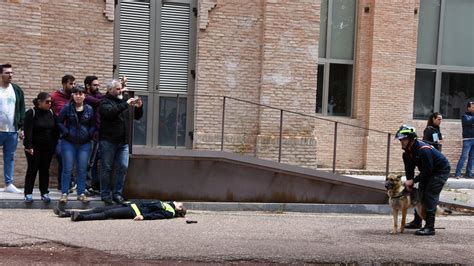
(430, 190)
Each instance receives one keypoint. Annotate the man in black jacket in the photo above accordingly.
(434, 171)
(113, 136)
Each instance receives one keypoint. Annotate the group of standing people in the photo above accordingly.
(73, 122)
(432, 135)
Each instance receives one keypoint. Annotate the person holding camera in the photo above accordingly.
(113, 139)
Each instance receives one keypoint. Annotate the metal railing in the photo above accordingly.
(225, 102)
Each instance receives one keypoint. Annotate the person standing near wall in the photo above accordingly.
(41, 136)
(12, 114)
(467, 142)
(93, 98)
(432, 133)
(77, 124)
(59, 99)
(114, 116)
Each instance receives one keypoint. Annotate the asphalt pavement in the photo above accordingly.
(255, 237)
(250, 232)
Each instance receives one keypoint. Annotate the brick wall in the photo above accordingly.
(262, 51)
(284, 76)
(392, 73)
(289, 74)
(44, 40)
(229, 51)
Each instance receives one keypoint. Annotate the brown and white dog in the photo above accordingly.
(400, 200)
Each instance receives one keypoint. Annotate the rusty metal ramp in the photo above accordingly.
(192, 175)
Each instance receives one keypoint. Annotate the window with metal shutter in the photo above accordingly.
(134, 43)
(174, 48)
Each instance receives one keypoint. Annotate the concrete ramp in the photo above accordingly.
(190, 175)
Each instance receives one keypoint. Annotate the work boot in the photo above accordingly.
(83, 198)
(63, 198)
(118, 199)
(415, 224)
(428, 230)
(76, 216)
(61, 213)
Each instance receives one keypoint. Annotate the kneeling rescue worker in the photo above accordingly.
(434, 171)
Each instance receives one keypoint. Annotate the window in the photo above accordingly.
(336, 58)
(155, 41)
(444, 80)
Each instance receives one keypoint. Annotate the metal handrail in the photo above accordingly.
(282, 111)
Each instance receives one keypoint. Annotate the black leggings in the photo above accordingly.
(109, 212)
(38, 162)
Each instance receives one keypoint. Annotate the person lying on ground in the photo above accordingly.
(137, 211)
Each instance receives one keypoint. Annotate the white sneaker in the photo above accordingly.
(12, 189)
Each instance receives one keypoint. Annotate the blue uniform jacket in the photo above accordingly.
(155, 210)
(428, 160)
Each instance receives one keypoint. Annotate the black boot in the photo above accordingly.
(428, 230)
(415, 224)
(61, 212)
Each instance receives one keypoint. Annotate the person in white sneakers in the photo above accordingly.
(12, 114)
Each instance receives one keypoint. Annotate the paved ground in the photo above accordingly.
(251, 237)
(264, 233)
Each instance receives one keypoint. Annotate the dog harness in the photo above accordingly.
(403, 193)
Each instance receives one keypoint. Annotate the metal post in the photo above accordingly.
(131, 114)
(177, 121)
(223, 120)
(387, 166)
(334, 149)
(281, 134)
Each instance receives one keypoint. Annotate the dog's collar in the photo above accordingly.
(401, 194)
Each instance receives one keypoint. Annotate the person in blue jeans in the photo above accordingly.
(467, 142)
(76, 122)
(12, 114)
(114, 115)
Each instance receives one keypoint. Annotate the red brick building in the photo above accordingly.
(371, 64)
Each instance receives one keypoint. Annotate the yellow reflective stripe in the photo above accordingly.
(168, 207)
(135, 209)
